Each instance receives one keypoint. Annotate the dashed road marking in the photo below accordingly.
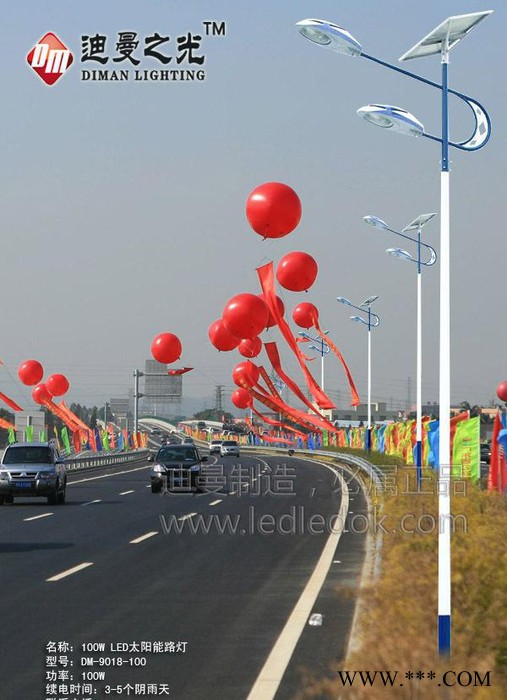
(69, 572)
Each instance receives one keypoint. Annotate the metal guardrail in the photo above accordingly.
(105, 460)
(372, 471)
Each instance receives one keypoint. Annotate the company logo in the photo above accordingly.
(50, 58)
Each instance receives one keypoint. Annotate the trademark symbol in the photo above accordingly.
(212, 28)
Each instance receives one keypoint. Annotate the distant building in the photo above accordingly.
(162, 393)
(24, 419)
(379, 412)
(120, 408)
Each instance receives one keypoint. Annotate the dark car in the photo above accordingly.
(32, 469)
(177, 467)
(485, 452)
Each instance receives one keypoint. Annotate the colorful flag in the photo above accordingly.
(65, 439)
(98, 440)
(494, 461)
(466, 449)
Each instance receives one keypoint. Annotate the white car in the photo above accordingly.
(229, 447)
(214, 446)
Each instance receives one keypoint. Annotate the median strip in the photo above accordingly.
(69, 572)
(36, 517)
(144, 537)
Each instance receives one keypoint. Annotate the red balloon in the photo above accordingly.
(297, 271)
(166, 348)
(40, 394)
(245, 315)
(250, 347)
(30, 372)
(241, 398)
(245, 373)
(305, 314)
(501, 391)
(220, 337)
(273, 210)
(281, 310)
(57, 384)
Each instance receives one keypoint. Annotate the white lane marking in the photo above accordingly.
(268, 680)
(105, 476)
(89, 503)
(215, 503)
(148, 486)
(186, 517)
(36, 517)
(144, 537)
(68, 572)
(124, 493)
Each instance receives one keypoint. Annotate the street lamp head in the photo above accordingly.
(389, 117)
(399, 253)
(375, 222)
(330, 36)
(358, 319)
(342, 300)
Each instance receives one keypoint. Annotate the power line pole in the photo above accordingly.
(219, 392)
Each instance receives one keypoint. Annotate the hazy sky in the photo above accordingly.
(122, 204)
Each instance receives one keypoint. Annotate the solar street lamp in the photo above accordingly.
(439, 41)
(430, 259)
(372, 320)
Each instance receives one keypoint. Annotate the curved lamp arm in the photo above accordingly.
(433, 253)
(482, 129)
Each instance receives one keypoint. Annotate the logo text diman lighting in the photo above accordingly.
(180, 58)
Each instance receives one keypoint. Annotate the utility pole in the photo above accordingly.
(137, 396)
(219, 392)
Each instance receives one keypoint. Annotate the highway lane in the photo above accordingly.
(228, 595)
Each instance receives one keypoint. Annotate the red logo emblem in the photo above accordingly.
(50, 58)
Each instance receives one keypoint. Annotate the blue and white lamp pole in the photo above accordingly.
(431, 258)
(322, 347)
(371, 321)
(439, 41)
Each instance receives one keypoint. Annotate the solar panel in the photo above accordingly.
(418, 223)
(449, 32)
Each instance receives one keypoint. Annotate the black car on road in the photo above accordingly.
(177, 468)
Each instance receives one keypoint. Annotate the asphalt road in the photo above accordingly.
(103, 569)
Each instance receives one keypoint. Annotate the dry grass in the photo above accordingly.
(398, 628)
